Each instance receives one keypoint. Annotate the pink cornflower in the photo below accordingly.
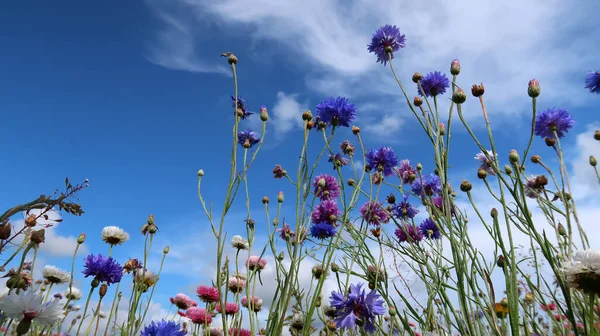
(236, 285)
(256, 306)
(208, 294)
(231, 308)
(239, 332)
(255, 261)
(199, 315)
(184, 302)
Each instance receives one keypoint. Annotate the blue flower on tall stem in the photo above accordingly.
(241, 106)
(592, 82)
(248, 138)
(387, 39)
(322, 230)
(163, 328)
(434, 83)
(338, 160)
(404, 209)
(429, 229)
(429, 185)
(383, 159)
(336, 111)
(102, 268)
(357, 308)
(553, 120)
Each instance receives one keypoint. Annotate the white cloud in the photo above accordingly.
(287, 113)
(388, 126)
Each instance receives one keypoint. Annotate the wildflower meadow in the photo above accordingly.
(383, 248)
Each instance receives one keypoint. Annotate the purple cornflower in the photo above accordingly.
(406, 172)
(338, 160)
(326, 187)
(373, 213)
(336, 111)
(409, 233)
(356, 308)
(386, 37)
(486, 164)
(429, 229)
(430, 184)
(163, 328)
(551, 120)
(534, 186)
(592, 82)
(434, 83)
(322, 230)
(286, 232)
(383, 159)
(102, 268)
(438, 202)
(326, 212)
(241, 106)
(248, 138)
(404, 210)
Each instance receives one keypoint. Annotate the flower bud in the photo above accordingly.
(280, 197)
(31, 221)
(550, 141)
(561, 230)
(455, 67)
(536, 159)
(264, 114)
(477, 90)
(465, 186)
(442, 129)
(232, 59)
(501, 262)
(334, 267)
(265, 200)
(417, 77)
(593, 161)
(200, 173)
(355, 130)
(166, 250)
(481, 173)
(310, 125)
(38, 236)
(150, 220)
(152, 229)
(391, 199)
(418, 101)
(307, 115)
(533, 89)
(95, 283)
(494, 213)
(5, 231)
(597, 135)
(392, 311)
(507, 169)
(513, 156)
(351, 182)
(419, 166)
(459, 96)
(103, 289)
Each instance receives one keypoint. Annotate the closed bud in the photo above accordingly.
(371, 285)
(232, 59)
(455, 67)
(597, 135)
(442, 129)
(536, 159)
(150, 219)
(465, 186)
(593, 161)
(38, 236)
(481, 173)
(417, 77)
(31, 221)
(265, 200)
(264, 114)
(494, 213)
(533, 88)
(281, 256)
(507, 169)
(550, 141)
(459, 96)
(351, 182)
(307, 115)
(200, 173)
(103, 290)
(561, 230)
(321, 183)
(95, 283)
(152, 229)
(120, 295)
(355, 130)
(280, 197)
(501, 262)
(310, 125)
(5, 231)
(392, 311)
(166, 250)
(418, 101)
(477, 90)
(419, 166)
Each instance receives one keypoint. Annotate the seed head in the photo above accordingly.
(501, 262)
(477, 90)
(418, 101)
(200, 173)
(355, 130)
(103, 289)
(351, 182)
(5, 231)
(536, 159)
(38, 236)
(310, 125)
(232, 59)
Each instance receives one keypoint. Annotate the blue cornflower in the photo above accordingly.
(336, 111)
(553, 120)
(248, 138)
(163, 328)
(357, 306)
(487, 164)
(383, 159)
(429, 229)
(430, 184)
(434, 83)
(241, 106)
(592, 82)
(338, 160)
(404, 210)
(386, 37)
(322, 230)
(102, 268)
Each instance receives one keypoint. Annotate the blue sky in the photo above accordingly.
(133, 96)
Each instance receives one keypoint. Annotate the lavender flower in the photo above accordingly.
(357, 308)
(241, 106)
(429, 229)
(592, 82)
(102, 268)
(326, 187)
(338, 160)
(404, 210)
(409, 233)
(373, 213)
(383, 159)
(553, 120)
(326, 212)
(248, 138)
(163, 328)
(386, 39)
(336, 111)
(406, 172)
(486, 164)
(286, 232)
(322, 230)
(434, 83)
(430, 184)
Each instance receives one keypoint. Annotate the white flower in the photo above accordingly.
(239, 242)
(3, 292)
(73, 294)
(145, 277)
(27, 305)
(114, 235)
(583, 273)
(55, 275)
(102, 314)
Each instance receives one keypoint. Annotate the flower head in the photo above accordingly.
(255, 303)
(286, 232)
(73, 294)
(357, 306)
(373, 213)
(102, 268)
(404, 210)
(326, 212)
(429, 185)
(429, 229)
(347, 148)
(383, 159)
(145, 277)
(163, 328)
(583, 272)
(434, 83)
(338, 160)
(207, 294)
(241, 107)
(386, 40)
(322, 230)
(326, 187)
(55, 275)
(534, 185)
(553, 120)
(27, 306)
(256, 262)
(248, 138)
(409, 233)
(406, 172)
(199, 315)
(184, 302)
(236, 284)
(239, 332)
(485, 163)
(336, 111)
(114, 235)
(592, 82)
(438, 202)
(239, 242)
(231, 308)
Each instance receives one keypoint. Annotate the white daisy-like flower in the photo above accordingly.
(114, 235)
(55, 275)
(216, 331)
(583, 273)
(239, 242)
(73, 294)
(147, 277)
(28, 306)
